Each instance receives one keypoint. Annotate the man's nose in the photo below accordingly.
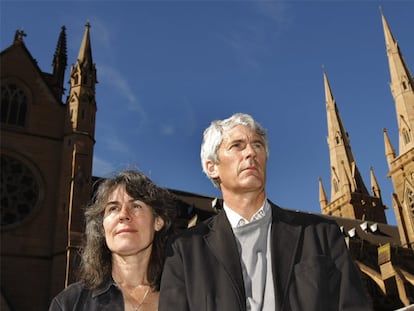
(250, 150)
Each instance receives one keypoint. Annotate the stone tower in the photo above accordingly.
(349, 196)
(76, 168)
(46, 152)
(401, 165)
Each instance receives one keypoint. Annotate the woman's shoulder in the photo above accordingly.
(68, 296)
(77, 287)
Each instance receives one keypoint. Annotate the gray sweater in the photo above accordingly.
(253, 242)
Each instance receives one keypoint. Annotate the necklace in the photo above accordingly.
(131, 297)
(137, 307)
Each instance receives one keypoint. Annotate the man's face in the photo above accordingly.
(242, 161)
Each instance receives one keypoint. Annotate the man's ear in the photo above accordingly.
(211, 169)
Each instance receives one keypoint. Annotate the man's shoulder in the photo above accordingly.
(297, 217)
(200, 230)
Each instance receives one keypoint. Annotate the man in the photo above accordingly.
(255, 255)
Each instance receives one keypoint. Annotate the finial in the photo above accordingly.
(18, 36)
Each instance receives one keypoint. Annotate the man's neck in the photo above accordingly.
(246, 205)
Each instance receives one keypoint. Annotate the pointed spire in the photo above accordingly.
(398, 68)
(402, 89)
(389, 150)
(323, 199)
(341, 157)
(339, 135)
(390, 42)
(376, 192)
(328, 92)
(60, 57)
(59, 64)
(85, 52)
(83, 73)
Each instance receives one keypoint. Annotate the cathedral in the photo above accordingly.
(43, 193)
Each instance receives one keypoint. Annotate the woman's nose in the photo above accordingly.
(124, 213)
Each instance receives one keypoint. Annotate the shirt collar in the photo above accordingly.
(236, 220)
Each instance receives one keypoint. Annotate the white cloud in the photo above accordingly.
(113, 143)
(114, 79)
(102, 168)
(251, 39)
(168, 130)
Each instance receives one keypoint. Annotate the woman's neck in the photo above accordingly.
(129, 271)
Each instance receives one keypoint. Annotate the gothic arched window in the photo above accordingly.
(338, 138)
(410, 201)
(13, 105)
(335, 185)
(406, 136)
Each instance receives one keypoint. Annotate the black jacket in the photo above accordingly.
(77, 298)
(312, 268)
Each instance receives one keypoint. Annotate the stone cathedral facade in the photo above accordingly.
(46, 169)
(46, 153)
(384, 254)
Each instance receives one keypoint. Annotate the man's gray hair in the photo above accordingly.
(213, 137)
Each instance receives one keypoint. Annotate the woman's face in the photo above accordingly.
(129, 224)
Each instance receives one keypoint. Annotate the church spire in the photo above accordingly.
(402, 89)
(81, 98)
(349, 196)
(323, 199)
(401, 165)
(79, 142)
(376, 191)
(341, 157)
(59, 64)
(389, 149)
(85, 51)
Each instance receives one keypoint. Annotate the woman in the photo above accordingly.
(121, 263)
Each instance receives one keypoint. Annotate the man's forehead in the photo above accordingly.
(241, 132)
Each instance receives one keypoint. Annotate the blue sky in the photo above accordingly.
(167, 68)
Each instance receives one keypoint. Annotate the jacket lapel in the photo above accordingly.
(285, 241)
(223, 245)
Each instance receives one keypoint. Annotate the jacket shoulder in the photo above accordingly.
(67, 297)
(296, 217)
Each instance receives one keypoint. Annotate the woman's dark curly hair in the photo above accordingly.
(96, 258)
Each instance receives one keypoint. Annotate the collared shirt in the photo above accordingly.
(236, 220)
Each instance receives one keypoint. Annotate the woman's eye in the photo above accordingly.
(112, 208)
(137, 206)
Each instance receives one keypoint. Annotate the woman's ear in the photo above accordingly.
(158, 224)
